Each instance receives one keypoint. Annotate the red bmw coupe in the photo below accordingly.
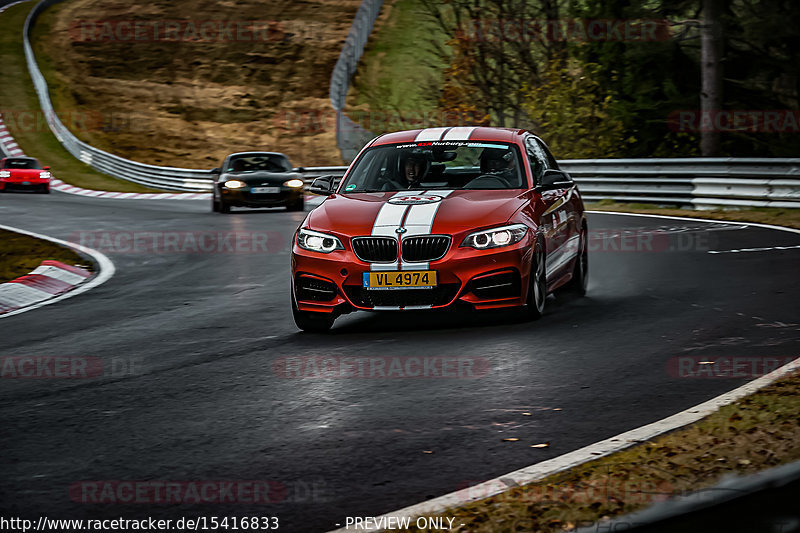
(24, 174)
(432, 218)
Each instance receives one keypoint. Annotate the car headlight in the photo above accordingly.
(318, 242)
(294, 183)
(5, 174)
(44, 175)
(235, 184)
(496, 237)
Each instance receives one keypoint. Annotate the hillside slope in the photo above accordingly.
(184, 102)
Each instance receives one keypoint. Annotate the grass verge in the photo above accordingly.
(20, 254)
(400, 75)
(25, 120)
(755, 433)
(762, 215)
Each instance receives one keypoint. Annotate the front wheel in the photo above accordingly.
(310, 321)
(223, 207)
(537, 284)
(580, 272)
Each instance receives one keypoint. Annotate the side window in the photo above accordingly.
(551, 161)
(537, 157)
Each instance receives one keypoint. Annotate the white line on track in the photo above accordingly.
(599, 449)
(707, 220)
(103, 263)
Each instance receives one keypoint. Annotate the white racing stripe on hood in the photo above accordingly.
(420, 222)
(430, 134)
(386, 223)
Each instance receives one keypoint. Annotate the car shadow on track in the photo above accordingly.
(450, 319)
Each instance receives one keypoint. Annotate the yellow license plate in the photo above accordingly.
(397, 280)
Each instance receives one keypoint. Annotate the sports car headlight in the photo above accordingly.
(318, 242)
(294, 183)
(5, 174)
(496, 237)
(235, 184)
(44, 175)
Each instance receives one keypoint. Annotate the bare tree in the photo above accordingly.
(497, 53)
(711, 69)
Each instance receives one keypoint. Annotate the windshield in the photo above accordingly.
(254, 162)
(436, 165)
(22, 163)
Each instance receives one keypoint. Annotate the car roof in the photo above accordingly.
(258, 153)
(458, 133)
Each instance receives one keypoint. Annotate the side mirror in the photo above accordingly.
(215, 171)
(45, 168)
(555, 179)
(322, 185)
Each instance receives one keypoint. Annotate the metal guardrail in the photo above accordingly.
(700, 182)
(160, 177)
(764, 501)
(351, 136)
(170, 178)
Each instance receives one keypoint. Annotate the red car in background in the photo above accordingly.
(24, 174)
(432, 218)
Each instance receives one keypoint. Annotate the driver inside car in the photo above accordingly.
(500, 163)
(414, 169)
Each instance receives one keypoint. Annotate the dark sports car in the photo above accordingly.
(24, 174)
(256, 179)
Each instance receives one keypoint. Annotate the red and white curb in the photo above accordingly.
(9, 145)
(52, 281)
(539, 471)
(58, 185)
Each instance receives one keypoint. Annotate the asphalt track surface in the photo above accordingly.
(204, 402)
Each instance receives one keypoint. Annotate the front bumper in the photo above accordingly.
(483, 279)
(245, 198)
(24, 185)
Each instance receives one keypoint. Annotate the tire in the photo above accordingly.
(537, 284)
(310, 321)
(223, 207)
(580, 273)
(297, 205)
(214, 205)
